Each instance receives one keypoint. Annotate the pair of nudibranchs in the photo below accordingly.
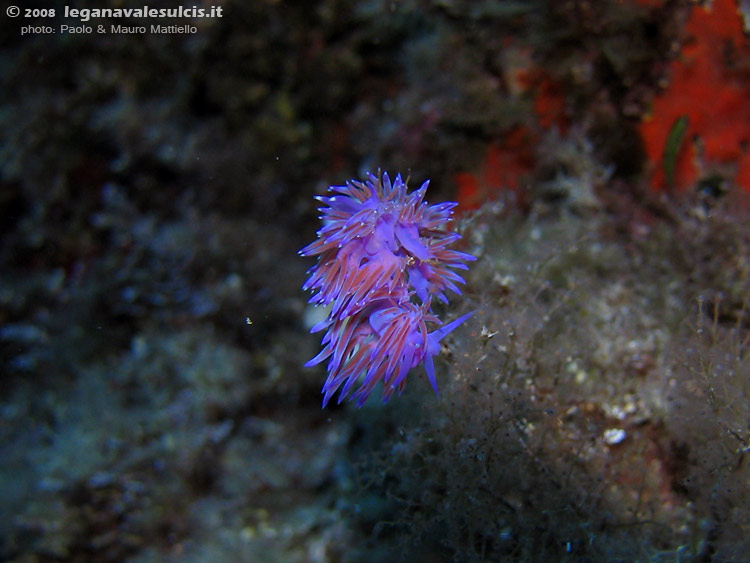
(383, 255)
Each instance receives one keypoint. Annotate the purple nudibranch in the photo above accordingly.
(382, 256)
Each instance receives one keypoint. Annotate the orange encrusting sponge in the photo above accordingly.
(709, 84)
